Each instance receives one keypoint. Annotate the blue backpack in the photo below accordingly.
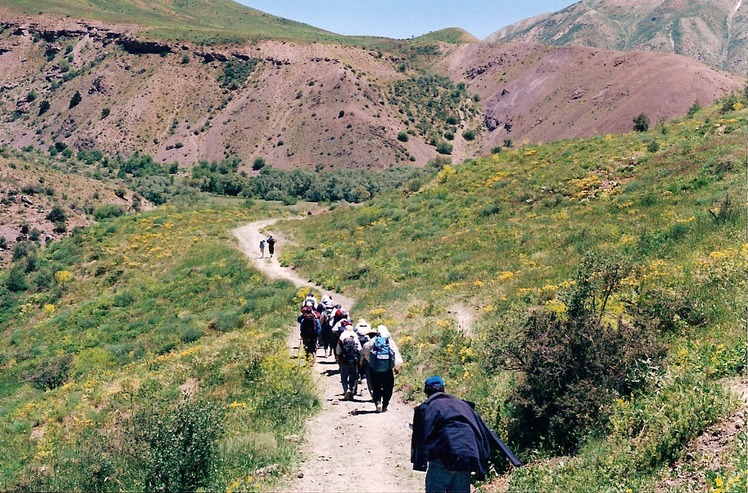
(382, 356)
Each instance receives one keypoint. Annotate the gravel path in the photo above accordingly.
(348, 447)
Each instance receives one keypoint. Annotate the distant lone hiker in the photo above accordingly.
(271, 245)
(262, 248)
(450, 436)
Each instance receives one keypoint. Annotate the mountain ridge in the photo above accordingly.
(314, 104)
(714, 32)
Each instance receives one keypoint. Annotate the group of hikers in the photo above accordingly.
(270, 242)
(361, 351)
(450, 441)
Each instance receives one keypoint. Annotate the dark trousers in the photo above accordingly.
(382, 383)
(349, 376)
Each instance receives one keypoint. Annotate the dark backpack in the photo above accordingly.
(349, 351)
(382, 356)
(308, 326)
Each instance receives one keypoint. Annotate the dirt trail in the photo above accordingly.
(348, 446)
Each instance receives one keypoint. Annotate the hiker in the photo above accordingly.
(311, 300)
(384, 360)
(365, 334)
(337, 318)
(325, 320)
(348, 352)
(450, 436)
(271, 245)
(309, 327)
(262, 248)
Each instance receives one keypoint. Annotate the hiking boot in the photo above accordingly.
(384, 407)
(379, 408)
(348, 396)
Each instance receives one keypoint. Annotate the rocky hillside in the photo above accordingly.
(714, 31)
(43, 200)
(321, 105)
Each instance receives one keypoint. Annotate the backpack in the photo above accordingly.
(308, 327)
(382, 356)
(349, 352)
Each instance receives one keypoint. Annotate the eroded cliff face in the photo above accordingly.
(93, 86)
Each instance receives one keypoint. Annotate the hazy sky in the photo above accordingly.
(405, 18)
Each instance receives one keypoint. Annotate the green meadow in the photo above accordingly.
(211, 22)
(145, 354)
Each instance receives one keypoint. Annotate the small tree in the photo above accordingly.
(258, 163)
(641, 123)
(43, 107)
(75, 100)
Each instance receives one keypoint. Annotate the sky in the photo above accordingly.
(402, 19)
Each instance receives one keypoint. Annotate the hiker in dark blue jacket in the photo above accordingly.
(450, 436)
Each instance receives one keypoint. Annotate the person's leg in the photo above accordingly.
(344, 377)
(438, 478)
(353, 378)
(376, 388)
(388, 384)
(461, 482)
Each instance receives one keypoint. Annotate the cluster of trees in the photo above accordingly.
(289, 186)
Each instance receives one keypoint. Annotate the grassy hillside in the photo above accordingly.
(152, 316)
(621, 260)
(219, 21)
(205, 21)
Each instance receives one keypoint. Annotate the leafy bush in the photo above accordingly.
(235, 72)
(106, 211)
(444, 147)
(258, 163)
(402, 136)
(182, 447)
(56, 215)
(574, 367)
(51, 372)
(641, 123)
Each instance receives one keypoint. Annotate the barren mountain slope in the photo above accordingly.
(317, 105)
(714, 31)
(534, 93)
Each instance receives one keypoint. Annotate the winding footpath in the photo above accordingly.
(348, 447)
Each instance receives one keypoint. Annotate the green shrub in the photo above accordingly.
(258, 163)
(468, 134)
(402, 136)
(106, 211)
(75, 100)
(51, 372)
(56, 215)
(641, 123)
(573, 368)
(182, 445)
(43, 107)
(444, 147)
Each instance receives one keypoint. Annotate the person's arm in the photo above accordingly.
(398, 356)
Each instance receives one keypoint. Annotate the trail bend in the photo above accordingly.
(348, 447)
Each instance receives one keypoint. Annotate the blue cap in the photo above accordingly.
(434, 381)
